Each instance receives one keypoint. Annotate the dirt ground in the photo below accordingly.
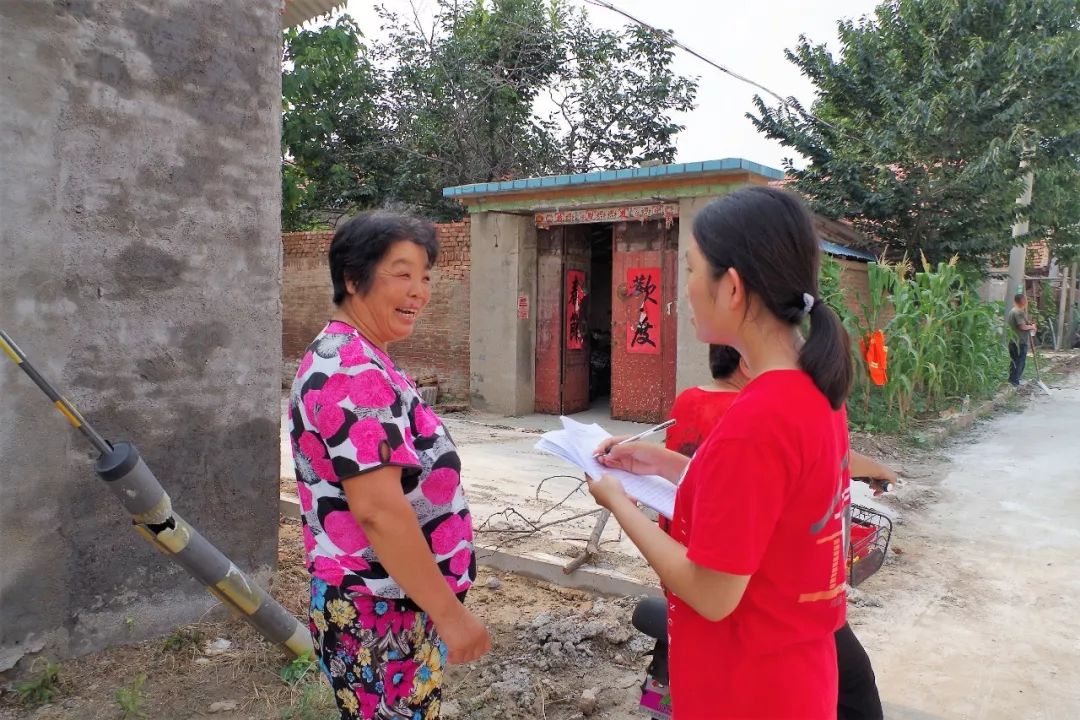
(976, 614)
(551, 644)
(979, 617)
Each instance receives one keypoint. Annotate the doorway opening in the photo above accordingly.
(606, 319)
(600, 241)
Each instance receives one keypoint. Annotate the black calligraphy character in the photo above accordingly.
(577, 294)
(644, 285)
(641, 331)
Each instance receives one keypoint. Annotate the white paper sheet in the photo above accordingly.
(575, 444)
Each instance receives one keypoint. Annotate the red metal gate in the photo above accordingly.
(562, 340)
(644, 321)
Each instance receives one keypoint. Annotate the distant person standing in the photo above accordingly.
(1020, 324)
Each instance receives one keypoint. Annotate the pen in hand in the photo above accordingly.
(644, 434)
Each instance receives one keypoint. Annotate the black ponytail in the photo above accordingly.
(826, 356)
(767, 236)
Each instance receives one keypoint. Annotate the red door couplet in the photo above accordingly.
(562, 338)
(575, 358)
(644, 321)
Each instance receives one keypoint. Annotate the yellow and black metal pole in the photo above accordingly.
(133, 483)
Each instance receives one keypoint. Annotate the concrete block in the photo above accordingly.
(541, 566)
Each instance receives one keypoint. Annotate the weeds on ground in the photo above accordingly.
(316, 699)
(131, 699)
(316, 702)
(1014, 404)
(42, 689)
(299, 669)
(181, 640)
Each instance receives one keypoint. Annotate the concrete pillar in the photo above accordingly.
(692, 361)
(140, 262)
(1018, 254)
(1063, 302)
(1073, 304)
(503, 344)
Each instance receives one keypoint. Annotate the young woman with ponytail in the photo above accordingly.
(755, 563)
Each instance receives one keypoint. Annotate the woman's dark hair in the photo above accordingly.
(723, 361)
(361, 242)
(767, 236)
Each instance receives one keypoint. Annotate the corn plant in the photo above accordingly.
(945, 344)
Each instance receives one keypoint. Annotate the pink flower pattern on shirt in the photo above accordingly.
(352, 411)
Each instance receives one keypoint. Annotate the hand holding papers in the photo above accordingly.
(577, 442)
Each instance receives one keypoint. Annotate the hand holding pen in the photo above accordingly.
(610, 443)
(641, 458)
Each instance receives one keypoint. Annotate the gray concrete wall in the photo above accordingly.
(503, 350)
(995, 290)
(692, 361)
(140, 269)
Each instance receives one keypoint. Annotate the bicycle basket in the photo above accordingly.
(870, 535)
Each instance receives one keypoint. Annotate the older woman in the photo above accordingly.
(387, 530)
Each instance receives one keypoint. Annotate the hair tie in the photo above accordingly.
(808, 303)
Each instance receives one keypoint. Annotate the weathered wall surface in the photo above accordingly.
(503, 350)
(692, 359)
(438, 347)
(140, 269)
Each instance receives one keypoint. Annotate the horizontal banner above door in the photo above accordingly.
(623, 213)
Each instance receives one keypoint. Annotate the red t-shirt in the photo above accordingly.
(696, 412)
(765, 496)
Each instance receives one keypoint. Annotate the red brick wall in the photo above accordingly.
(440, 345)
(855, 282)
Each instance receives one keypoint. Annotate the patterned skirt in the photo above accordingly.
(382, 657)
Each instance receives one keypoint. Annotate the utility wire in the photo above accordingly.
(674, 41)
(786, 104)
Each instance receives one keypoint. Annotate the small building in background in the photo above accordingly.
(560, 294)
(575, 299)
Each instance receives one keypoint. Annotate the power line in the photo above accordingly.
(787, 104)
(674, 41)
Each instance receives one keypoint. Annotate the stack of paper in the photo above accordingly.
(577, 442)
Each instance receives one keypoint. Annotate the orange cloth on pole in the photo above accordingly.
(876, 354)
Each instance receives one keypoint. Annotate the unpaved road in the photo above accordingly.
(980, 615)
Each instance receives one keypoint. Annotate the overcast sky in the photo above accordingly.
(747, 36)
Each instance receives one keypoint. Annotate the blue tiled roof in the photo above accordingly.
(840, 251)
(605, 176)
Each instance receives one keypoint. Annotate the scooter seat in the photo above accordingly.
(650, 618)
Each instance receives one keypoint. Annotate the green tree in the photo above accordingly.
(511, 88)
(1055, 209)
(493, 89)
(460, 95)
(615, 96)
(924, 117)
(331, 133)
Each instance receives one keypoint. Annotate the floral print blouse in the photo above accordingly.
(351, 411)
